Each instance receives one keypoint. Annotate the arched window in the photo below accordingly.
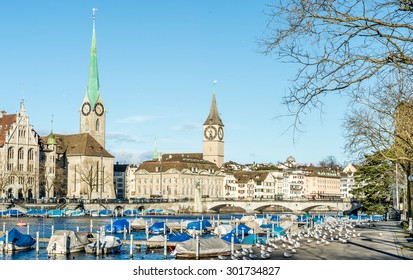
(21, 154)
(10, 153)
(30, 154)
(98, 125)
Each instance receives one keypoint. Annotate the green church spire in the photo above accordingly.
(155, 152)
(93, 90)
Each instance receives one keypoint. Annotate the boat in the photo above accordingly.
(177, 237)
(55, 213)
(223, 229)
(242, 228)
(108, 245)
(36, 213)
(21, 224)
(208, 247)
(76, 213)
(93, 213)
(130, 212)
(138, 224)
(64, 242)
(198, 227)
(158, 228)
(11, 213)
(118, 226)
(17, 241)
(105, 213)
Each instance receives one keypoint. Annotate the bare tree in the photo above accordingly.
(329, 162)
(339, 45)
(380, 122)
(93, 176)
(4, 181)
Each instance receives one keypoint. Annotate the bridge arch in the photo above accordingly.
(228, 208)
(272, 208)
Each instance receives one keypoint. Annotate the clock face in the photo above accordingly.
(86, 108)
(210, 132)
(99, 109)
(220, 133)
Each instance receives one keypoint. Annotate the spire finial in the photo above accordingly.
(214, 82)
(94, 13)
(52, 123)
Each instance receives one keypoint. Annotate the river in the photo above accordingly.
(45, 226)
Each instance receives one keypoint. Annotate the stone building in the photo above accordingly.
(19, 154)
(175, 176)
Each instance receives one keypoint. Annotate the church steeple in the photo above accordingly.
(213, 148)
(213, 117)
(92, 111)
(93, 90)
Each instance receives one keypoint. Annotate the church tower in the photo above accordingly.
(213, 149)
(92, 111)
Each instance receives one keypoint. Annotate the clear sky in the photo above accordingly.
(157, 63)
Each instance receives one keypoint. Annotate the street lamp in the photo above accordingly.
(410, 178)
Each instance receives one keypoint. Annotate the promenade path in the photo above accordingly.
(385, 240)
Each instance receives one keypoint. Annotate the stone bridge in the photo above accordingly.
(241, 206)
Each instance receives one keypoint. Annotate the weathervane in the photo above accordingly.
(94, 13)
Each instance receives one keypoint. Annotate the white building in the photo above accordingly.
(19, 156)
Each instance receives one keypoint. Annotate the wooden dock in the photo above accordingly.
(141, 243)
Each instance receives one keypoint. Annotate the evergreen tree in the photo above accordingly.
(374, 179)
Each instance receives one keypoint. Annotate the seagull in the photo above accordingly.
(265, 256)
(287, 255)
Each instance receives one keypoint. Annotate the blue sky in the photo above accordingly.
(157, 63)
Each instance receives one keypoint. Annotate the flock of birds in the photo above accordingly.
(318, 235)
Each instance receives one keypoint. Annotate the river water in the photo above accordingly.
(45, 226)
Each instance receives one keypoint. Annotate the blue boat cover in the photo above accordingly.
(106, 212)
(241, 227)
(252, 239)
(179, 237)
(197, 224)
(228, 236)
(318, 220)
(275, 219)
(266, 226)
(36, 212)
(158, 227)
(278, 230)
(12, 213)
(130, 212)
(118, 226)
(18, 238)
(56, 212)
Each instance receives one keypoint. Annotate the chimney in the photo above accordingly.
(3, 113)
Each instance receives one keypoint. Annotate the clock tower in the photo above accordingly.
(92, 110)
(213, 149)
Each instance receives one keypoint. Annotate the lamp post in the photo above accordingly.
(160, 174)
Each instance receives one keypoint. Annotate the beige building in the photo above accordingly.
(175, 176)
(19, 154)
(322, 183)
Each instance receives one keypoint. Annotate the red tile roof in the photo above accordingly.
(5, 122)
